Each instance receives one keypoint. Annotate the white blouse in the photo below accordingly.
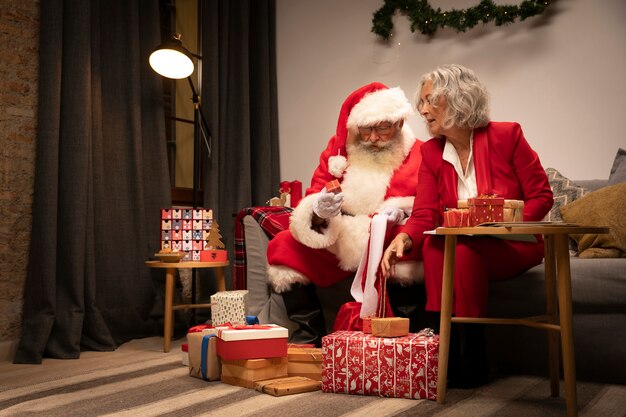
(466, 186)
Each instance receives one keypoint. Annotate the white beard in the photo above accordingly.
(367, 177)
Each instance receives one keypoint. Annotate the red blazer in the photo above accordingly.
(505, 165)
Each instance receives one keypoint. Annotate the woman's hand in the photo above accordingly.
(394, 252)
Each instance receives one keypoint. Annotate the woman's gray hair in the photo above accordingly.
(468, 101)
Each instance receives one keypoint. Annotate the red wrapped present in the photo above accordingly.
(252, 342)
(456, 218)
(403, 367)
(333, 186)
(485, 209)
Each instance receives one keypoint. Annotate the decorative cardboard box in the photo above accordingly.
(245, 373)
(184, 354)
(485, 209)
(252, 342)
(305, 362)
(203, 360)
(403, 367)
(512, 210)
(286, 386)
(390, 326)
(229, 307)
(192, 231)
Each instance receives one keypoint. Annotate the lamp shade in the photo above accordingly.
(172, 60)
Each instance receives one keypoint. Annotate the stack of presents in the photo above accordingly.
(386, 361)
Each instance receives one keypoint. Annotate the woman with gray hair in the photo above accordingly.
(468, 156)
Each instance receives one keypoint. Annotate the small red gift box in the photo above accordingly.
(485, 209)
(456, 218)
(403, 367)
(333, 186)
(252, 342)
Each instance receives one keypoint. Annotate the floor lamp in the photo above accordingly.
(172, 60)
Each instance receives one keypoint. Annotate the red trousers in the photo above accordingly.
(478, 260)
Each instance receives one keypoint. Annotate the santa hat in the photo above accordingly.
(385, 105)
(369, 105)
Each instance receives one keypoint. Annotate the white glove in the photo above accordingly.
(394, 215)
(327, 204)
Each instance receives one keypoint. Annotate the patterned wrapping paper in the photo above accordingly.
(358, 363)
(228, 307)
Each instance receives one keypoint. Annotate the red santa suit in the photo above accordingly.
(325, 256)
(505, 165)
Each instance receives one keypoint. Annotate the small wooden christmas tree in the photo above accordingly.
(214, 242)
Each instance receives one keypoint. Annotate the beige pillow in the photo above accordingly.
(604, 207)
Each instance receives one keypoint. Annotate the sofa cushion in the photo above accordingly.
(564, 190)
(604, 207)
(618, 170)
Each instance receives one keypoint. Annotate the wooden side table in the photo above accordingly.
(557, 271)
(170, 277)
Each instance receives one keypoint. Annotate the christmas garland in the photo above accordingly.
(428, 20)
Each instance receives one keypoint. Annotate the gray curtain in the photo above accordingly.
(101, 178)
(239, 99)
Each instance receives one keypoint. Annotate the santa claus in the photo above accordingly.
(375, 157)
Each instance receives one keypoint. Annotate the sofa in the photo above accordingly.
(598, 289)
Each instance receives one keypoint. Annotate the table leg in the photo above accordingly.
(446, 314)
(551, 311)
(219, 277)
(565, 314)
(170, 275)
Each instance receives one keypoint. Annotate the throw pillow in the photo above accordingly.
(604, 207)
(618, 170)
(564, 191)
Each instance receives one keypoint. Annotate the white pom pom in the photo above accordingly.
(337, 165)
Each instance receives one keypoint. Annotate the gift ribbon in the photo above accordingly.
(203, 353)
(230, 326)
(370, 261)
(252, 320)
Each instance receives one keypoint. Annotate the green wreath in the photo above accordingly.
(428, 20)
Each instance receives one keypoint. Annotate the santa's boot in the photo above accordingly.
(303, 307)
(474, 366)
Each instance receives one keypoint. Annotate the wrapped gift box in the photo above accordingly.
(245, 373)
(485, 209)
(184, 353)
(285, 386)
(456, 218)
(390, 326)
(333, 186)
(203, 360)
(217, 255)
(367, 325)
(252, 342)
(228, 307)
(403, 367)
(512, 211)
(305, 362)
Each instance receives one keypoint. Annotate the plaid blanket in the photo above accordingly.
(272, 220)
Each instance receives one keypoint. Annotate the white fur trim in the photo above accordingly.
(282, 278)
(390, 105)
(403, 203)
(300, 226)
(408, 138)
(337, 165)
(352, 241)
(408, 273)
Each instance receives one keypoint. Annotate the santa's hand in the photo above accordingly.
(327, 204)
(394, 215)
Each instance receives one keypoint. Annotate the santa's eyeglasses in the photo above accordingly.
(381, 130)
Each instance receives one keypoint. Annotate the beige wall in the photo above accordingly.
(560, 76)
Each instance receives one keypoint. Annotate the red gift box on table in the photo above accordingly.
(252, 342)
(485, 209)
(456, 218)
(403, 367)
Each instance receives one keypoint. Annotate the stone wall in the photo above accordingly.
(19, 65)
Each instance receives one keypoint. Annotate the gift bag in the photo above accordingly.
(369, 288)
